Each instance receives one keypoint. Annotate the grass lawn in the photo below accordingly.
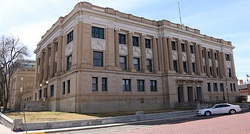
(60, 116)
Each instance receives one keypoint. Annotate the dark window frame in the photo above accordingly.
(122, 38)
(149, 65)
(123, 62)
(126, 85)
(98, 32)
(136, 62)
(153, 85)
(97, 59)
(136, 41)
(94, 83)
(70, 36)
(140, 85)
(69, 62)
(104, 84)
(148, 43)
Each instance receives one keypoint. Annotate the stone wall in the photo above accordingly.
(36, 105)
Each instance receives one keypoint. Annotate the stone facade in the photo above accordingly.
(98, 59)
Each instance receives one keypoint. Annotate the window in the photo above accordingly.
(137, 64)
(231, 87)
(55, 46)
(52, 91)
(55, 67)
(227, 57)
(68, 83)
(193, 67)
(149, 65)
(215, 87)
(217, 71)
(211, 70)
(140, 86)
(94, 84)
(147, 43)
(173, 45)
(229, 72)
(122, 39)
(49, 51)
(69, 62)
(203, 52)
(153, 85)
(136, 41)
(183, 47)
(98, 59)
(104, 84)
(63, 84)
(69, 37)
(123, 62)
(234, 87)
(209, 54)
(175, 63)
(192, 49)
(221, 87)
(215, 56)
(208, 87)
(126, 83)
(40, 94)
(98, 32)
(185, 66)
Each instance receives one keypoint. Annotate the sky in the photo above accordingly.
(224, 19)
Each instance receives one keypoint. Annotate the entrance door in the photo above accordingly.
(190, 94)
(199, 94)
(180, 95)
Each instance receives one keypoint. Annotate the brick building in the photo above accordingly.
(100, 59)
(22, 81)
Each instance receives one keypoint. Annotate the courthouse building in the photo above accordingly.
(98, 59)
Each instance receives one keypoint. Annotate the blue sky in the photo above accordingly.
(225, 19)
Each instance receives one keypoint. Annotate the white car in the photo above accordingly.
(222, 108)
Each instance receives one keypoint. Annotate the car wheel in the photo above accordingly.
(207, 113)
(232, 111)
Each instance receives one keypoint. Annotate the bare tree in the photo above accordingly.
(11, 49)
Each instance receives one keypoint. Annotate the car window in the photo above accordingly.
(218, 106)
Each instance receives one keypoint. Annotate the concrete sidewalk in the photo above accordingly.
(5, 130)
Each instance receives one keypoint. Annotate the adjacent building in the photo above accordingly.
(22, 81)
(98, 59)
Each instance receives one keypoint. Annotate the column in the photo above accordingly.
(117, 48)
(165, 55)
(213, 63)
(59, 54)
(189, 59)
(222, 62)
(207, 63)
(41, 67)
(160, 54)
(155, 60)
(200, 59)
(52, 60)
(170, 54)
(232, 66)
(143, 54)
(197, 59)
(46, 63)
(37, 71)
(180, 60)
(130, 53)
